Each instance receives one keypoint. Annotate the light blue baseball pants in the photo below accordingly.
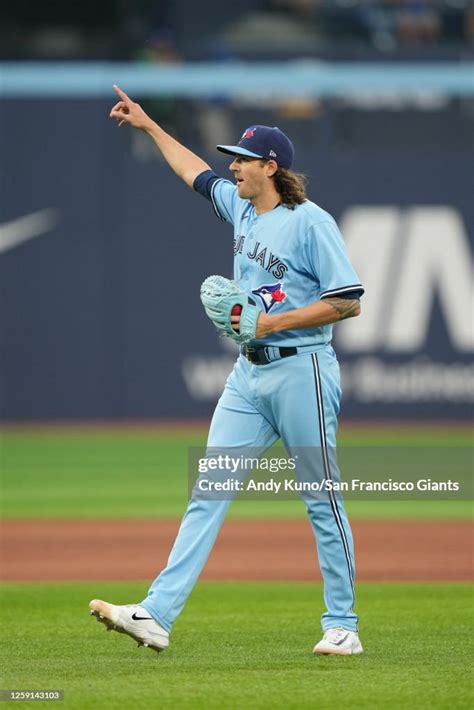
(297, 399)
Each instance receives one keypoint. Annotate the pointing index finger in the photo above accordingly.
(122, 94)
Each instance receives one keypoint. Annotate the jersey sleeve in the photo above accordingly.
(220, 192)
(329, 262)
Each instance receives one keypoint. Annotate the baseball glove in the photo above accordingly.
(219, 296)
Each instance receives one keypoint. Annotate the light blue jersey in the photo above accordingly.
(283, 259)
(286, 259)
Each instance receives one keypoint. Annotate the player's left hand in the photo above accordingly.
(220, 297)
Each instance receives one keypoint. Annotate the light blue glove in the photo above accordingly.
(219, 295)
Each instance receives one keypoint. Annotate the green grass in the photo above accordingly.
(243, 646)
(133, 473)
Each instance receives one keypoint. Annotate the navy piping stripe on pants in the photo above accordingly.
(327, 468)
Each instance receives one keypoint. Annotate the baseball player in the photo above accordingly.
(291, 263)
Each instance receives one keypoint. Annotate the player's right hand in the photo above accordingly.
(127, 111)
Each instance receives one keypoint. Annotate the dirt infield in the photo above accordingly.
(245, 550)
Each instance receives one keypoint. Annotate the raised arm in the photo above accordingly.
(184, 162)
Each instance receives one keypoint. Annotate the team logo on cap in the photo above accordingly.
(270, 295)
(248, 133)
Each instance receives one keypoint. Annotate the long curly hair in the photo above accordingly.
(291, 187)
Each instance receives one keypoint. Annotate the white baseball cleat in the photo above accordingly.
(133, 620)
(339, 642)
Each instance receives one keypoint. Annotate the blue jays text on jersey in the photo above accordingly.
(285, 258)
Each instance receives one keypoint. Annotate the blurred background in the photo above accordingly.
(102, 249)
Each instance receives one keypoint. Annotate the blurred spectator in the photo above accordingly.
(469, 23)
(160, 48)
(417, 21)
(170, 112)
(388, 23)
(377, 20)
(274, 29)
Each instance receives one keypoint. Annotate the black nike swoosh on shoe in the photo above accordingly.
(141, 618)
(337, 643)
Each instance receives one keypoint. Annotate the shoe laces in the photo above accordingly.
(335, 634)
